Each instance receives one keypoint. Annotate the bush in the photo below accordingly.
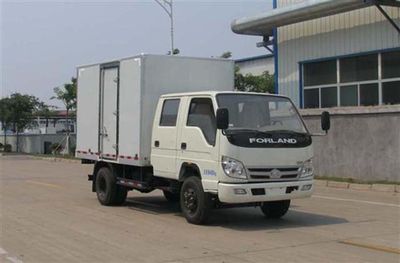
(1, 145)
(56, 148)
(7, 148)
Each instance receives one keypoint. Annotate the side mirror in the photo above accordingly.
(325, 121)
(222, 119)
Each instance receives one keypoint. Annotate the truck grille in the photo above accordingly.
(274, 173)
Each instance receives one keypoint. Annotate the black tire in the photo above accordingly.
(171, 197)
(195, 203)
(121, 195)
(108, 192)
(275, 209)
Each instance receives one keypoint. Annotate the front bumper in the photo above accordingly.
(262, 192)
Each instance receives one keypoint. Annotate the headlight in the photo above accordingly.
(307, 170)
(233, 168)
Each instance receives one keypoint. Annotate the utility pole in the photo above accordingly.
(167, 5)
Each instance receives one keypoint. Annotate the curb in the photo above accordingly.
(384, 187)
(334, 184)
(388, 188)
(361, 187)
(56, 159)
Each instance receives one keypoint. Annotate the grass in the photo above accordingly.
(353, 180)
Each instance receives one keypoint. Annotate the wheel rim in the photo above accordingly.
(190, 200)
(102, 186)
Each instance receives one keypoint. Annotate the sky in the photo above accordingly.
(42, 42)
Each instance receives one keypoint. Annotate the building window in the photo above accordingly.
(359, 68)
(391, 65)
(391, 92)
(369, 94)
(311, 98)
(364, 80)
(349, 95)
(320, 73)
(328, 97)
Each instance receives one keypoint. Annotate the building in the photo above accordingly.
(344, 57)
(56, 123)
(353, 54)
(256, 65)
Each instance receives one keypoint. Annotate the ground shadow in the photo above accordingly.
(152, 205)
(242, 219)
(251, 219)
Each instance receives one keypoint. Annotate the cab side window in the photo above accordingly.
(201, 114)
(169, 112)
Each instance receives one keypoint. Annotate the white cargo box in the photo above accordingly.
(117, 101)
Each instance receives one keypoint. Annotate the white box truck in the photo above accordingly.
(174, 123)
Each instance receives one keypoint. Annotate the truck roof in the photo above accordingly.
(214, 93)
(143, 55)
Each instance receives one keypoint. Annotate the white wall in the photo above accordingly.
(34, 143)
(257, 66)
(352, 32)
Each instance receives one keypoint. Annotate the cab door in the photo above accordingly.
(197, 138)
(164, 138)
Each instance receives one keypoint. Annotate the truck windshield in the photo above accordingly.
(261, 113)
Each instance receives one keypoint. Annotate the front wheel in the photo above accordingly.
(195, 203)
(275, 209)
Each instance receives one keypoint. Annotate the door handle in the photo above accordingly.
(156, 143)
(183, 145)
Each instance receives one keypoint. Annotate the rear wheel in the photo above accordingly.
(195, 203)
(171, 197)
(275, 209)
(108, 192)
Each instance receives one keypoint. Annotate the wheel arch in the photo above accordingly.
(189, 169)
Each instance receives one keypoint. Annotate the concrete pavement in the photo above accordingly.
(48, 214)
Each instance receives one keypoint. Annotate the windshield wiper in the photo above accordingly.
(284, 132)
(260, 132)
(241, 131)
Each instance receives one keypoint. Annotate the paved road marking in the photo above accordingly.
(43, 184)
(11, 259)
(371, 246)
(355, 200)
(14, 260)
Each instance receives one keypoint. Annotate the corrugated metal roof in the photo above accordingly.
(263, 24)
(254, 58)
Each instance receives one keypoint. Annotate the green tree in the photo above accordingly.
(5, 116)
(263, 83)
(67, 95)
(251, 83)
(22, 110)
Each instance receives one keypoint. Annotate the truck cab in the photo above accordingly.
(232, 148)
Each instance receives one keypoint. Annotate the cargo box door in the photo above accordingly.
(109, 113)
